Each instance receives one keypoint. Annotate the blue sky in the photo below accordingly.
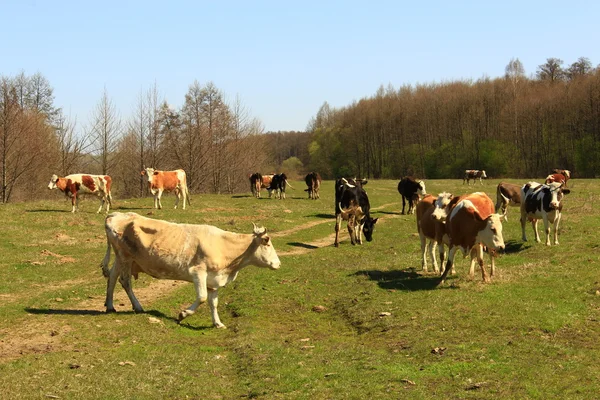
(283, 59)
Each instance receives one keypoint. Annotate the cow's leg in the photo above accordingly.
(523, 222)
(432, 249)
(125, 280)
(403, 204)
(338, 222)
(359, 234)
(556, 222)
(177, 197)
(449, 263)
(74, 203)
(213, 302)
(352, 229)
(534, 224)
(492, 263)
(199, 277)
(102, 201)
(111, 283)
(547, 229)
(158, 196)
(424, 250)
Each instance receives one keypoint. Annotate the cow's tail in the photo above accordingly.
(106, 260)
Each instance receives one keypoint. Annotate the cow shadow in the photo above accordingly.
(322, 215)
(241, 196)
(406, 280)
(303, 245)
(513, 246)
(40, 210)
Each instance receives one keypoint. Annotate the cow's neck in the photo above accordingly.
(61, 183)
(239, 248)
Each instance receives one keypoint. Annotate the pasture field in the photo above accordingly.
(534, 332)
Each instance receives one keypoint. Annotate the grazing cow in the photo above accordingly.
(167, 181)
(542, 202)
(278, 184)
(203, 254)
(507, 194)
(560, 178)
(255, 182)
(313, 181)
(411, 190)
(474, 174)
(352, 204)
(77, 184)
(471, 225)
(429, 228)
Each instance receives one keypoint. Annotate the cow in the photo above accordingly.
(265, 183)
(203, 254)
(507, 194)
(352, 204)
(167, 181)
(560, 178)
(429, 228)
(77, 184)
(313, 181)
(542, 202)
(474, 174)
(411, 190)
(255, 183)
(472, 224)
(564, 172)
(278, 184)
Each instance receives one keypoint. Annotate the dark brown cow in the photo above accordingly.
(507, 194)
(167, 181)
(255, 183)
(411, 190)
(313, 181)
(76, 184)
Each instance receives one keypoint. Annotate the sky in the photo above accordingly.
(283, 60)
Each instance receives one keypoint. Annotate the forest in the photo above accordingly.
(511, 126)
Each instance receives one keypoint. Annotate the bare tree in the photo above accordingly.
(70, 147)
(104, 132)
(582, 66)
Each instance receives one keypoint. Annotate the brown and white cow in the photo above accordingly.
(430, 229)
(167, 181)
(558, 178)
(471, 225)
(564, 172)
(474, 174)
(542, 202)
(203, 254)
(75, 185)
(507, 194)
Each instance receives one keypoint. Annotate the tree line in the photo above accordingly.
(512, 126)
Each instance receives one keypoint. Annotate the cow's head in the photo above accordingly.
(265, 254)
(567, 173)
(149, 172)
(368, 227)
(440, 213)
(53, 180)
(556, 194)
(491, 234)
(421, 189)
(483, 175)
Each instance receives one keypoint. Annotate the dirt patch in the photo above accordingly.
(299, 228)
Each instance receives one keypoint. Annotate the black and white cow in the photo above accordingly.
(278, 184)
(352, 204)
(411, 190)
(542, 202)
(474, 174)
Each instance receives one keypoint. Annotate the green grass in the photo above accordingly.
(532, 333)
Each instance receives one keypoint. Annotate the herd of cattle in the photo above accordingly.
(210, 257)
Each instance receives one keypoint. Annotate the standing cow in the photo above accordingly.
(278, 185)
(411, 190)
(542, 202)
(507, 194)
(77, 184)
(313, 181)
(167, 181)
(474, 174)
(472, 224)
(352, 204)
(205, 255)
(255, 182)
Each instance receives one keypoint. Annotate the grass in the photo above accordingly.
(532, 333)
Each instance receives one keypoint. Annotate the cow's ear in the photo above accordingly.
(375, 221)
(566, 191)
(143, 173)
(364, 182)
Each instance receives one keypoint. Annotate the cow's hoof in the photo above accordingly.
(138, 311)
(336, 244)
(111, 310)
(220, 326)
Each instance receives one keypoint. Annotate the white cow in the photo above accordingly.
(203, 254)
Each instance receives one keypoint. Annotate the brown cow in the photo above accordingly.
(474, 174)
(77, 184)
(558, 178)
(313, 181)
(472, 224)
(432, 229)
(507, 194)
(167, 181)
